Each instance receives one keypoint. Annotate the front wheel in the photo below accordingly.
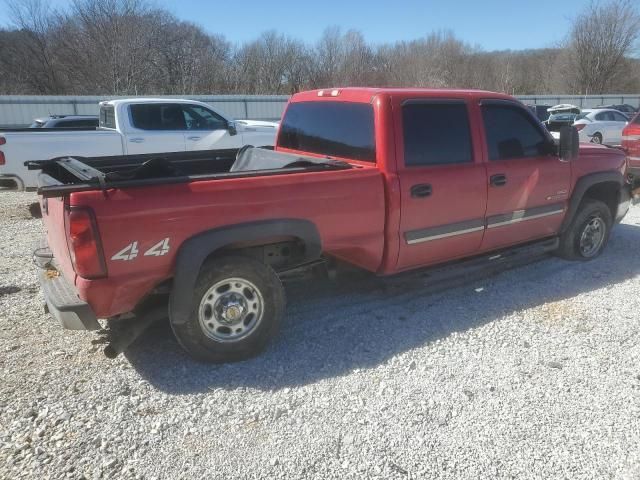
(236, 309)
(588, 233)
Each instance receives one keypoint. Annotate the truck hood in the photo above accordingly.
(588, 149)
(600, 157)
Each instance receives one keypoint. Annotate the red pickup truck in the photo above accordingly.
(383, 179)
(631, 144)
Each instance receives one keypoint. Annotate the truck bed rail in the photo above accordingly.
(77, 174)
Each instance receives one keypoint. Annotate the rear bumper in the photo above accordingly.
(63, 302)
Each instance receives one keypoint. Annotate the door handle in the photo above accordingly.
(498, 180)
(136, 140)
(421, 190)
(194, 138)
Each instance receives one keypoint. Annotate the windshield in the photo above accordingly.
(562, 117)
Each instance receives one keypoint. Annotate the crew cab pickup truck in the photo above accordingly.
(387, 180)
(134, 126)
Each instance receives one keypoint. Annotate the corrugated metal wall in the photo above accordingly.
(584, 101)
(20, 110)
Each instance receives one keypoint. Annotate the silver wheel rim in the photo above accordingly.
(596, 139)
(231, 310)
(592, 237)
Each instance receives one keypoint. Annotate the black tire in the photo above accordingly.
(596, 138)
(35, 210)
(206, 344)
(570, 241)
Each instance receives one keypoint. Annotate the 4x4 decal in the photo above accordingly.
(130, 252)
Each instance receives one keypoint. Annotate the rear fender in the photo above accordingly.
(194, 251)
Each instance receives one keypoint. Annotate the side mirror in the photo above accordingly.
(569, 143)
(231, 128)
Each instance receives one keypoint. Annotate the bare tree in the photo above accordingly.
(600, 39)
(188, 60)
(328, 57)
(271, 64)
(132, 47)
(33, 55)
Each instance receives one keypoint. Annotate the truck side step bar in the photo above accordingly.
(496, 260)
(461, 272)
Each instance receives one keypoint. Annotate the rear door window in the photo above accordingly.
(618, 117)
(157, 116)
(335, 129)
(436, 133)
(605, 117)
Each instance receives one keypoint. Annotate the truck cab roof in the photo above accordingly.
(365, 94)
(124, 101)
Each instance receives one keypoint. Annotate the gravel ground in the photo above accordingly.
(533, 373)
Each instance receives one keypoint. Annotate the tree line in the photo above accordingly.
(131, 47)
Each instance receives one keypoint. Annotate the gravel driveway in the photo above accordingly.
(533, 373)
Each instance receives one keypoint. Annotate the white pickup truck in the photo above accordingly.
(130, 127)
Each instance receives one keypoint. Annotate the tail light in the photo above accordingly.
(329, 93)
(631, 133)
(580, 126)
(84, 243)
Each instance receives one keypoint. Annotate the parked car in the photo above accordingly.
(601, 126)
(88, 122)
(352, 175)
(132, 126)
(564, 108)
(540, 111)
(631, 145)
(558, 120)
(628, 110)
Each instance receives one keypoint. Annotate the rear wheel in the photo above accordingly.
(237, 306)
(596, 138)
(588, 233)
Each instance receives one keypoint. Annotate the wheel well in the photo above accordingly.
(12, 183)
(277, 252)
(607, 192)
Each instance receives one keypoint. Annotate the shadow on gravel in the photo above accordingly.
(9, 289)
(361, 321)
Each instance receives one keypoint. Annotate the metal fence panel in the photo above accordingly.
(20, 110)
(582, 101)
